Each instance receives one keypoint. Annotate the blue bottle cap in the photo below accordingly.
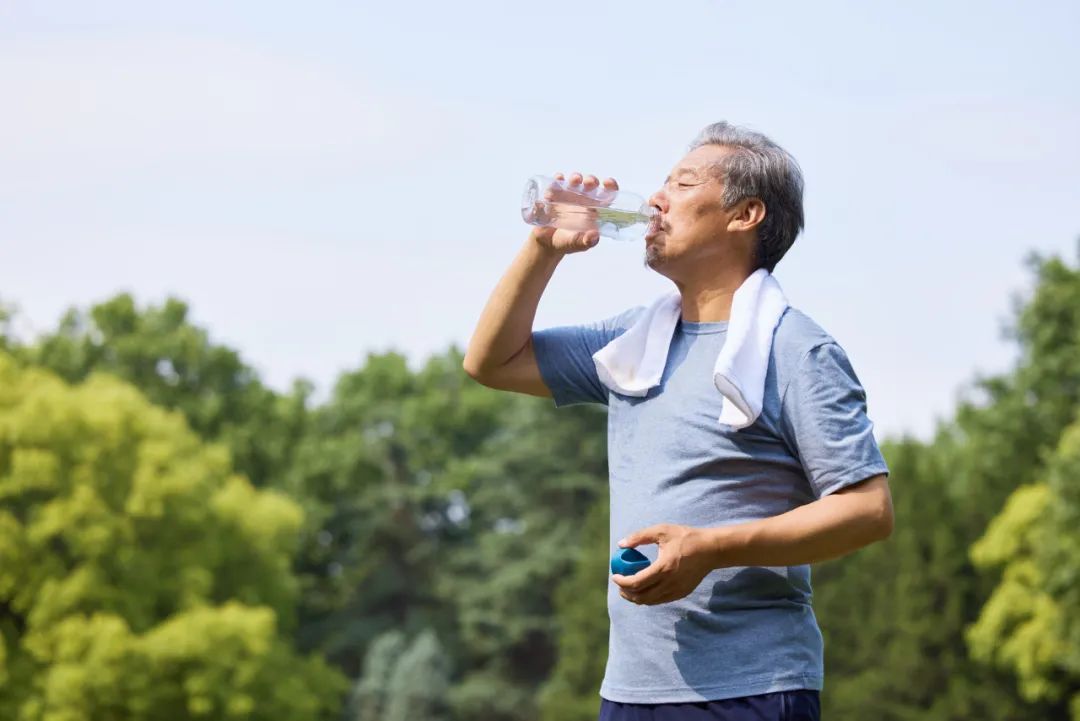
(628, 561)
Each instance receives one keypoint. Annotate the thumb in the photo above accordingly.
(584, 239)
(637, 538)
(543, 232)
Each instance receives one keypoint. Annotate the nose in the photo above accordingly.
(660, 200)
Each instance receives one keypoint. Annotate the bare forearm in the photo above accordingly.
(506, 322)
(827, 528)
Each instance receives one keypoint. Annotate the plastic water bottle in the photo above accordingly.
(616, 214)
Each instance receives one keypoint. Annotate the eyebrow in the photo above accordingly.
(682, 171)
(708, 171)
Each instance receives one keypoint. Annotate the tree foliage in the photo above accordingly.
(572, 692)
(175, 365)
(139, 577)
(178, 540)
(1030, 624)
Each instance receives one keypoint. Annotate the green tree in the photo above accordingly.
(528, 488)
(900, 652)
(176, 365)
(893, 613)
(572, 692)
(139, 577)
(6, 315)
(369, 697)
(418, 686)
(436, 503)
(366, 473)
(1031, 623)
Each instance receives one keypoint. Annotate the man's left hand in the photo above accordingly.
(681, 564)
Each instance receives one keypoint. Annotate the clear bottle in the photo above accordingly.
(617, 214)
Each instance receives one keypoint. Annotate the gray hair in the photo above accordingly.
(759, 168)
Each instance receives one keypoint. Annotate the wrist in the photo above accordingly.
(544, 247)
(717, 545)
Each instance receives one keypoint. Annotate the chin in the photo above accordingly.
(652, 255)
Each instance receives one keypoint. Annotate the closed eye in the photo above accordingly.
(673, 183)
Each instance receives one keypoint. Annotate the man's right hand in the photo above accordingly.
(573, 241)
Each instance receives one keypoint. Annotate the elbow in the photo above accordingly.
(472, 369)
(885, 527)
(471, 364)
(883, 520)
(872, 509)
(477, 370)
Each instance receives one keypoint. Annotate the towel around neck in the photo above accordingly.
(634, 362)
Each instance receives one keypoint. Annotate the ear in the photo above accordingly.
(747, 215)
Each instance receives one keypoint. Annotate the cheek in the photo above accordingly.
(691, 209)
(706, 209)
(695, 218)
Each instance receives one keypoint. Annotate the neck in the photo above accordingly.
(705, 303)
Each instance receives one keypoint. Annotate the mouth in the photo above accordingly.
(655, 228)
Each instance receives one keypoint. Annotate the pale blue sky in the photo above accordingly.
(324, 180)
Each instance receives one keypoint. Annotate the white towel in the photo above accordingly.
(634, 362)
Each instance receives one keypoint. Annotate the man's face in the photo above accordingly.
(692, 219)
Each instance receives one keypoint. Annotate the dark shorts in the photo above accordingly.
(801, 705)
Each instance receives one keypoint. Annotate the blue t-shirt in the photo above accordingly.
(745, 630)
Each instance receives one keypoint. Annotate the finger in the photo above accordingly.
(647, 599)
(656, 600)
(584, 239)
(575, 178)
(650, 598)
(610, 184)
(591, 182)
(642, 537)
(639, 582)
(648, 586)
(660, 593)
(574, 238)
(559, 176)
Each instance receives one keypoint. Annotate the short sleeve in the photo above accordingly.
(564, 357)
(824, 420)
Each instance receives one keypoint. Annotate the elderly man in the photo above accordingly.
(720, 625)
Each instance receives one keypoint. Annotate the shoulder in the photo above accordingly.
(797, 338)
(807, 357)
(796, 334)
(623, 320)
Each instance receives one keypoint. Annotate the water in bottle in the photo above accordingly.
(616, 214)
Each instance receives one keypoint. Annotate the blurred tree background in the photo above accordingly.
(180, 541)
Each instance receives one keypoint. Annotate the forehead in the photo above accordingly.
(699, 160)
